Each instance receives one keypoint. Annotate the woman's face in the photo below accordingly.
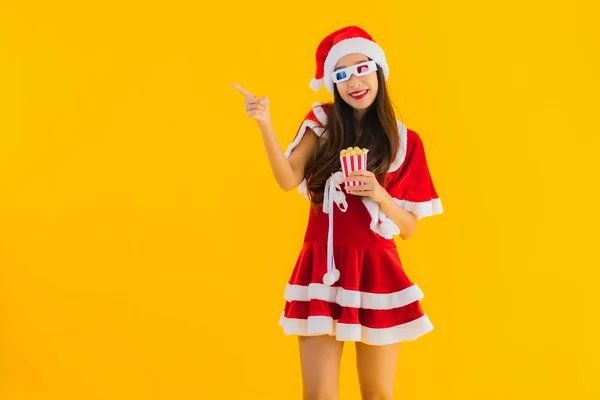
(358, 91)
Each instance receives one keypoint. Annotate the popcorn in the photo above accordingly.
(353, 159)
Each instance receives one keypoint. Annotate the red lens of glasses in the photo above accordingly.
(361, 69)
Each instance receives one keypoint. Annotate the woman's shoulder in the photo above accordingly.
(409, 137)
(410, 142)
(317, 113)
(414, 142)
(413, 135)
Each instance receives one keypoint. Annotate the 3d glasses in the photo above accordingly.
(361, 69)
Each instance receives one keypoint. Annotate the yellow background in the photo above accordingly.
(142, 257)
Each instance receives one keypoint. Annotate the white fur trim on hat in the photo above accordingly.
(316, 84)
(349, 46)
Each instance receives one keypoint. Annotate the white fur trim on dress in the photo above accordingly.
(306, 124)
(380, 223)
(388, 228)
(303, 189)
(321, 325)
(378, 217)
(320, 113)
(353, 298)
(401, 155)
(319, 131)
(349, 46)
(421, 209)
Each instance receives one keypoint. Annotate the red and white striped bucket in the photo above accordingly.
(353, 163)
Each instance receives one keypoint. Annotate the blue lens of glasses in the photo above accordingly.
(340, 75)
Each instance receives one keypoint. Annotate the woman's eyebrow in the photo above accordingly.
(343, 66)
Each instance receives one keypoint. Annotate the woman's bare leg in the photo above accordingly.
(320, 358)
(376, 366)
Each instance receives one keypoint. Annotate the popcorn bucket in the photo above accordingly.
(353, 159)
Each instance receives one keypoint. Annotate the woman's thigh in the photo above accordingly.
(320, 358)
(376, 367)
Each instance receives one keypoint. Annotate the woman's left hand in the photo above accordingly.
(370, 186)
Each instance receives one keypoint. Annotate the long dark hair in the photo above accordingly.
(379, 134)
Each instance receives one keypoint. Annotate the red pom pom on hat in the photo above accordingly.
(340, 43)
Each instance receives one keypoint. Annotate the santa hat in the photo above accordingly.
(340, 43)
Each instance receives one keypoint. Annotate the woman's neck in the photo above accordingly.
(358, 115)
(357, 129)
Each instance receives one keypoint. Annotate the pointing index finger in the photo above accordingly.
(242, 90)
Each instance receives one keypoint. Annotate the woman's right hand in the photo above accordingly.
(255, 108)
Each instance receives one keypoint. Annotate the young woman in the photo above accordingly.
(348, 284)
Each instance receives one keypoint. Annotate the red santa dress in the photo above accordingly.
(372, 300)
